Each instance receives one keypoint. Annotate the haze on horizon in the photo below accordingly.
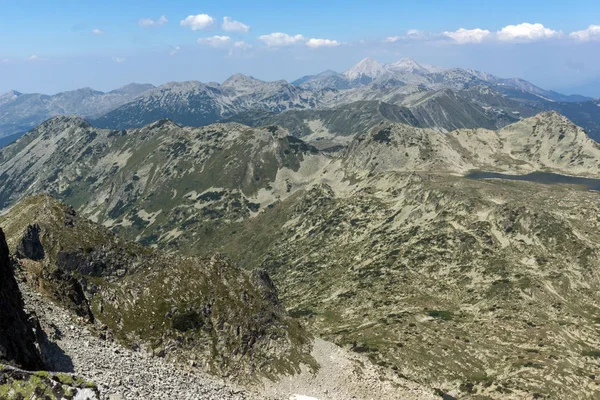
(107, 45)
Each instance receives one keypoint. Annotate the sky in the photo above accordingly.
(52, 46)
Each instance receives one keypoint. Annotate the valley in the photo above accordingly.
(299, 200)
(383, 246)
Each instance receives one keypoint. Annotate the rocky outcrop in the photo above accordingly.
(18, 341)
(262, 281)
(203, 311)
(30, 246)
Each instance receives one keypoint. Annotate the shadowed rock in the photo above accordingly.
(30, 246)
(18, 342)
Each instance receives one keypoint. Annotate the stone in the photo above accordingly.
(18, 341)
(30, 246)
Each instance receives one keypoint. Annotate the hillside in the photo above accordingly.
(383, 247)
(205, 310)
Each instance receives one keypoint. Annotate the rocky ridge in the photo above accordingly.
(20, 112)
(202, 311)
(23, 346)
(471, 287)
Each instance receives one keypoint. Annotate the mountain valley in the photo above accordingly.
(381, 245)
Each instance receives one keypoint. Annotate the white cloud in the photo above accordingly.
(33, 58)
(316, 43)
(5, 60)
(174, 50)
(229, 25)
(278, 39)
(592, 33)
(97, 31)
(238, 48)
(216, 41)
(149, 22)
(411, 34)
(415, 34)
(242, 45)
(526, 32)
(198, 22)
(391, 39)
(464, 36)
(118, 60)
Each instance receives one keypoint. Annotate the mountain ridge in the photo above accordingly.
(384, 246)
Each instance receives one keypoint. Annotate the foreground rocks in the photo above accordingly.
(17, 337)
(20, 384)
(21, 344)
(120, 373)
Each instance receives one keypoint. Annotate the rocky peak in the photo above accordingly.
(367, 67)
(86, 91)
(9, 96)
(241, 81)
(408, 65)
(18, 342)
(133, 89)
(63, 121)
(165, 122)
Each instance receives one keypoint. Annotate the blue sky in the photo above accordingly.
(50, 46)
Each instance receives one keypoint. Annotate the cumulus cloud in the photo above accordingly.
(242, 45)
(316, 43)
(279, 39)
(149, 22)
(97, 31)
(416, 34)
(118, 60)
(198, 22)
(392, 39)
(464, 36)
(592, 33)
(215, 41)
(230, 25)
(174, 50)
(526, 32)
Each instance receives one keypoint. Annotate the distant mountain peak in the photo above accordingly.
(241, 79)
(9, 96)
(367, 67)
(162, 123)
(12, 93)
(133, 88)
(408, 65)
(328, 72)
(68, 120)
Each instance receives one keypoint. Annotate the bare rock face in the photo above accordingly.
(30, 246)
(265, 285)
(17, 338)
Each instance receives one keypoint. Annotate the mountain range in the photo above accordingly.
(20, 112)
(441, 98)
(474, 288)
(394, 231)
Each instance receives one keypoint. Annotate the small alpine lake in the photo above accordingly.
(540, 177)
